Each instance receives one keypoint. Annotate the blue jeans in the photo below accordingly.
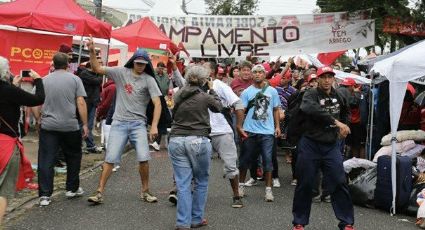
(312, 156)
(121, 132)
(191, 158)
(250, 153)
(91, 112)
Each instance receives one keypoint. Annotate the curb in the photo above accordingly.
(30, 201)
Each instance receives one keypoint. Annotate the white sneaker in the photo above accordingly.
(276, 183)
(269, 196)
(77, 193)
(116, 168)
(44, 201)
(155, 146)
(241, 190)
(251, 182)
(294, 182)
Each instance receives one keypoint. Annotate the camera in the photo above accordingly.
(25, 73)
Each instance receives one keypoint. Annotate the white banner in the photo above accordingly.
(233, 36)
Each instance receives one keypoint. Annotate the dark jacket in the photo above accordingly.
(92, 83)
(322, 110)
(11, 98)
(141, 53)
(191, 117)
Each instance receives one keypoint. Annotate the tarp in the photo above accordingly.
(144, 34)
(399, 69)
(63, 16)
(235, 36)
(23, 53)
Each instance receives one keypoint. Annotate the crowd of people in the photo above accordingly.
(243, 111)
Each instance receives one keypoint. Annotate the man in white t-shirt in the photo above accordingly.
(222, 137)
(135, 88)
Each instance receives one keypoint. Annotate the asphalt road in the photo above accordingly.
(122, 208)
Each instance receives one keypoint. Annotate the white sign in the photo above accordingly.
(233, 36)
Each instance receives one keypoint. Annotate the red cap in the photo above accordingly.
(325, 69)
(220, 70)
(348, 82)
(311, 77)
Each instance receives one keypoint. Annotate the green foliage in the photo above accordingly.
(232, 7)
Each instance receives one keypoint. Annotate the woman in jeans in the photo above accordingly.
(189, 147)
(11, 148)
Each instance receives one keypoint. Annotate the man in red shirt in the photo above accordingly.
(245, 78)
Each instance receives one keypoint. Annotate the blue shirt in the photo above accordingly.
(259, 118)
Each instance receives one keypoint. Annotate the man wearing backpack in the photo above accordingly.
(259, 129)
(135, 88)
(326, 117)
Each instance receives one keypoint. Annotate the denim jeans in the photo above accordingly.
(70, 143)
(191, 158)
(91, 112)
(120, 133)
(250, 153)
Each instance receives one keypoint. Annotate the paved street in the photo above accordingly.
(122, 208)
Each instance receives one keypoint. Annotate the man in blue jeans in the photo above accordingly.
(259, 129)
(326, 114)
(135, 88)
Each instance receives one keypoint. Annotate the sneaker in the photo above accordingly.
(251, 182)
(259, 173)
(44, 201)
(237, 202)
(349, 227)
(148, 197)
(77, 193)
(269, 196)
(173, 197)
(298, 227)
(276, 183)
(241, 190)
(94, 150)
(155, 146)
(327, 199)
(317, 199)
(294, 182)
(96, 198)
(116, 168)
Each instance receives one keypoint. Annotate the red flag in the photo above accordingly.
(329, 58)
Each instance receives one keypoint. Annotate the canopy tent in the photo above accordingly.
(103, 45)
(64, 16)
(406, 65)
(144, 34)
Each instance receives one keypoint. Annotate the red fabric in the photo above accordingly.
(23, 53)
(355, 115)
(239, 85)
(411, 89)
(7, 146)
(423, 119)
(275, 81)
(106, 97)
(329, 58)
(144, 34)
(64, 16)
(410, 114)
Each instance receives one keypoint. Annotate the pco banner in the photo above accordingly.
(233, 36)
(30, 50)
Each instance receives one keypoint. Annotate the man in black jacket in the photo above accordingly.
(320, 146)
(92, 83)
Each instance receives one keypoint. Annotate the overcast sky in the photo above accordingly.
(265, 7)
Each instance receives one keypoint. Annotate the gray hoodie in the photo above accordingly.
(190, 114)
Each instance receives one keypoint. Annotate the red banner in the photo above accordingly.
(30, 50)
(394, 25)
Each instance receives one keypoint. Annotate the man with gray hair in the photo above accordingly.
(260, 127)
(222, 137)
(59, 128)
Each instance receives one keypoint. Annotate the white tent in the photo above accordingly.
(399, 69)
(103, 45)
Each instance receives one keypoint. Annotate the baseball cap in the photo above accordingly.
(258, 67)
(311, 77)
(348, 82)
(140, 60)
(325, 69)
(64, 48)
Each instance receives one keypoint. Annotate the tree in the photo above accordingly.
(380, 10)
(231, 7)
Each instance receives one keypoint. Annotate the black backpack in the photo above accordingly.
(165, 118)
